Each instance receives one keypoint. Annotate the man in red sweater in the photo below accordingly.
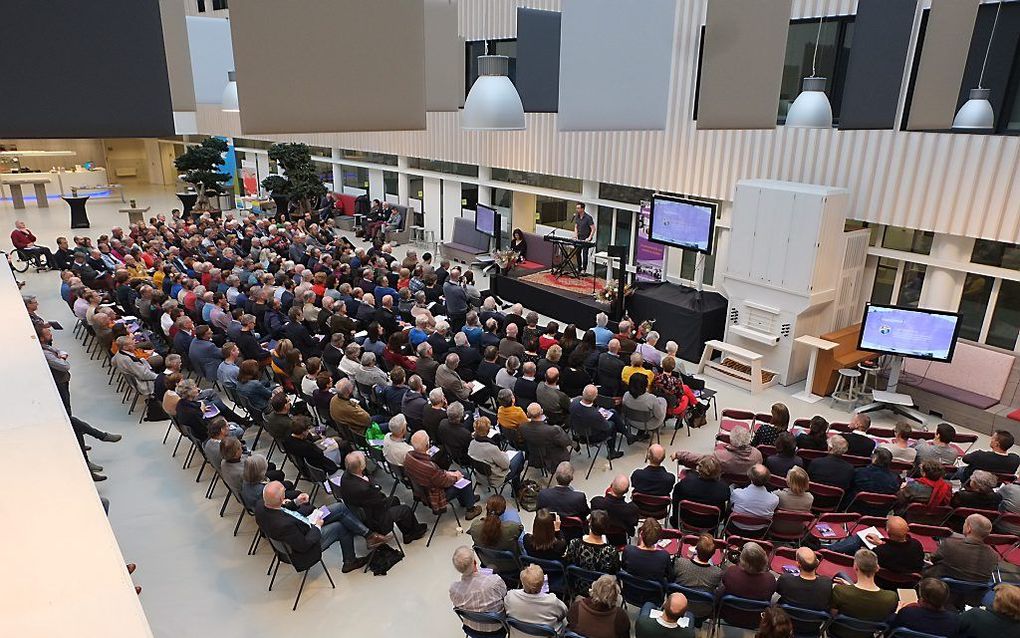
(24, 240)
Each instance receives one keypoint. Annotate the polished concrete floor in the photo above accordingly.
(196, 576)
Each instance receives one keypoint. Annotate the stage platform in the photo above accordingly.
(680, 313)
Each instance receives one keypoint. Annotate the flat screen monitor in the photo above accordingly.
(485, 220)
(683, 223)
(909, 332)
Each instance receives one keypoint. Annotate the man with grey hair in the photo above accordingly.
(434, 413)
(648, 351)
(426, 366)
(369, 374)
(345, 411)
(625, 336)
(412, 405)
(395, 445)
(469, 356)
(441, 485)
(561, 498)
(546, 443)
(136, 368)
(377, 511)
(588, 423)
(449, 379)
(602, 333)
(491, 311)
(456, 299)
(476, 591)
(736, 457)
(529, 604)
(440, 339)
(509, 345)
(967, 558)
(351, 363)
(833, 469)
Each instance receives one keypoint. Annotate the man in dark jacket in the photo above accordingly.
(307, 537)
(610, 367)
(563, 499)
(379, 512)
(833, 469)
(298, 334)
(205, 356)
(653, 479)
(623, 516)
(550, 443)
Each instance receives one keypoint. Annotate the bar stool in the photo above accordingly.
(869, 371)
(846, 387)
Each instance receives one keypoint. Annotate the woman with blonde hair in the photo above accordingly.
(795, 497)
(1000, 620)
(599, 615)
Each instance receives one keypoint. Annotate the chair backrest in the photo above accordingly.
(736, 603)
(638, 591)
(687, 509)
(554, 570)
(581, 579)
(791, 525)
(872, 502)
(856, 625)
(806, 622)
(827, 497)
(483, 617)
(903, 632)
(888, 579)
(488, 556)
(920, 513)
(743, 522)
(637, 419)
(693, 595)
(736, 480)
(281, 549)
(572, 527)
(650, 505)
(956, 519)
(532, 629)
(735, 543)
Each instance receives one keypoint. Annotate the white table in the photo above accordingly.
(135, 215)
(806, 395)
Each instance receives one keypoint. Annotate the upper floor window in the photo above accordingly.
(475, 48)
(536, 179)
(996, 253)
(453, 168)
(908, 240)
(834, 43)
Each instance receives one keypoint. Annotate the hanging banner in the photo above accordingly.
(649, 257)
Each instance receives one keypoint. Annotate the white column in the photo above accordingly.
(432, 205)
(484, 192)
(942, 287)
(402, 187)
(376, 186)
(451, 206)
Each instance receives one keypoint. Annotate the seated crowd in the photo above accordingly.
(353, 360)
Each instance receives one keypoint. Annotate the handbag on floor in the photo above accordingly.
(383, 559)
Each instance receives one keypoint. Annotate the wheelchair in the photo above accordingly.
(21, 261)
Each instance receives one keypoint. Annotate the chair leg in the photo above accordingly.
(239, 519)
(254, 545)
(434, 526)
(187, 458)
(212, 485)
(179, 437)
(169, 426)
(201, 469)
(300, 589)
(325, 569)
(226, 499)
(274, 570)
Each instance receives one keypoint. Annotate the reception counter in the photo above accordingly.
(60, 182)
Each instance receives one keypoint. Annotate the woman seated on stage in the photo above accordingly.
(518, 245)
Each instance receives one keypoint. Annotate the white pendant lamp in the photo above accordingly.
(229, 103)
(977, 114)
(811, 109)
(493, 103)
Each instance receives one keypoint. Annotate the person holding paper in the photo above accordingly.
(929, 614)
(864, 599)
(308, 537)
(669, 621)
(898, 552)
(588, 422)
(441, 485)
(501, 465)
(530, 604)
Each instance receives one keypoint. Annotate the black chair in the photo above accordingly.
(282, 554)
(554, 570)
(638, 591)
(482, 617)
(493, 558)
(421, 496)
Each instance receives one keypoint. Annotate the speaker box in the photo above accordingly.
(619, 252)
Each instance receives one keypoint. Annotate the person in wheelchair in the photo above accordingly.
(24, 243)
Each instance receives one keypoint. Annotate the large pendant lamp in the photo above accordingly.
(229, 103)
(811, 109)
(493, 104)
(976, 113)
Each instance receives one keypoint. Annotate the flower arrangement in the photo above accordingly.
(505, 258)
(607, 295)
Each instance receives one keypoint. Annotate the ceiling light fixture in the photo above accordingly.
(493, 104)
(229, 103)
(811, 109)
(977, 113)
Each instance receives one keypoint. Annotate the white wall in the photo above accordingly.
(432, 205)
(451, 206)
(211, 57)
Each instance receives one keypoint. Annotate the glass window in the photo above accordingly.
(452, 168)
(996, 253)
(885, 278)
(391, 183)
(535, 179)
(219, 4)
(415, 187)
(201, 6)
(502, 197)
(624, 228)
(355, 177)
(555, 212)
(372, 158)
(626, 194)
(1005, 324)
(324, 171)
(603, 235)
(688, 264)
(320, 151)
(973, 303)
(468, 196)
(876, 229)
(910, 285)
(908, 240)
(476, 48)
(833, 55)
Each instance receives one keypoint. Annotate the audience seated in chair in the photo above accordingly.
(591, 551)
(806, 589)
(501, 467)
(967, 558)
(544, 542)
(380, 513)
(437, 482)
(546, 443)
(767, 433)
(497, 530)
(833, 469)
(754, 500)
(528, 604)
(697, 571)
(749, 578)
(929, 615)
(561, 498)
(599, 615)
(897, 552)
(862, 599)
(653, 479)
(646, 559)
(623, 514)
(736, 457)
(476, 591)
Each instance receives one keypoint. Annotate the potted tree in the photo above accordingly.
(201, 166)
(299, 184)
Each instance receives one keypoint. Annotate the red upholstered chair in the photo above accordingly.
(827, 497)
(929, 535)
(695, 517)
(790, 527)
(919, 513)
(732, 418)
(872, 503)
(955, 520)
(840, 523)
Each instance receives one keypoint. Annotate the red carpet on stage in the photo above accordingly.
(579, 286)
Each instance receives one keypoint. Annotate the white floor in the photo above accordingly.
(196, 576)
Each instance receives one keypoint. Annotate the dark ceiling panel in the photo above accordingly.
(538, 60)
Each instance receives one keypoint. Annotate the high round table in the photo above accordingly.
(79, 217)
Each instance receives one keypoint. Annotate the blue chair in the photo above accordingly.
(554, 570)
(532, 629)
(579, 580)
(489, 557)
(967, 592)
(752, 608)
(638, 591)
(903, 632)
(851, 624)
(481, 617)
(697, 600)
(808, 623)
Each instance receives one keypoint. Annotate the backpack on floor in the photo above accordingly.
(527, 497)
(697, 415)
(383, 559)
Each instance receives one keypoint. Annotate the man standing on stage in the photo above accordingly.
(584, 230)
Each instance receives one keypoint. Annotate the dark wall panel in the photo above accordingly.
(538, 59)
(1000, 59)
(877, 63)
(81, 68)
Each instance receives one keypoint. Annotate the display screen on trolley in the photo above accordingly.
(485, 220)
(909, 332)
(682, 223)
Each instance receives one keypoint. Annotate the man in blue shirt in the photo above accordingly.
(602, 333)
